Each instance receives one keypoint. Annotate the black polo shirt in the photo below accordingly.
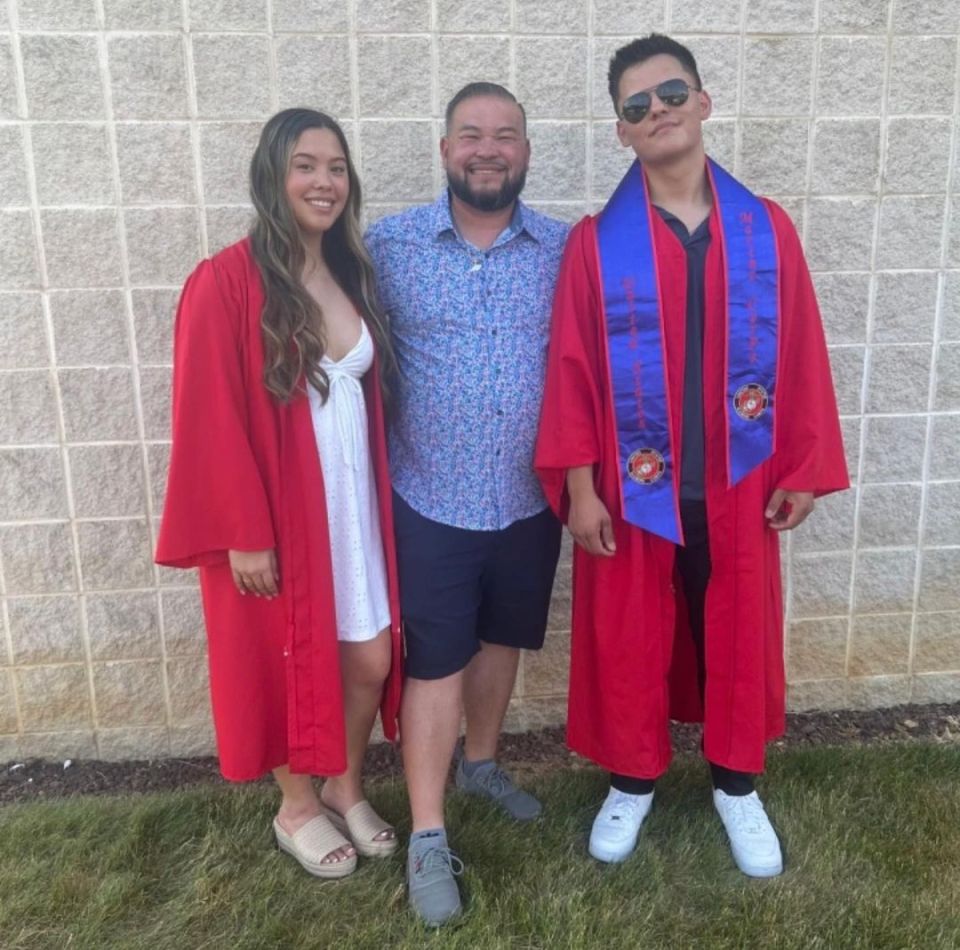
(691, 459)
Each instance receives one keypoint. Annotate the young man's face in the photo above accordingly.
(666, 132)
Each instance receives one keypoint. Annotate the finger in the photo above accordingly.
(259, 581)
(274, 567)
(238, 582)
(269, 579)
(606, 537)
(796, 516)
(776, 500)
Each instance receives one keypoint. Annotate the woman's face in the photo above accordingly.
(318, 183)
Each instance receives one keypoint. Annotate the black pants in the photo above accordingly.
(693, 567)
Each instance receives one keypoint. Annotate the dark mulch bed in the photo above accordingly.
(36, 780)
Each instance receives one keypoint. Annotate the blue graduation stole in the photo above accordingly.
(636, 345)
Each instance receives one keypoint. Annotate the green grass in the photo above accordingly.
(872, 841)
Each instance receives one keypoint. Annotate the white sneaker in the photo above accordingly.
(614, 833)
(755, 846)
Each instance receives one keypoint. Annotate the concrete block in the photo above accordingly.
(23, 339)
(155, 397)
(233, 75)
(601, 105)
(829, 527)
(228, 224)
(773, 155)
(156, 163)
(148, 77)
(939, 570)
(143, 15)
(559, 157)
(846, 156)
(821, 585)
(54, 698)
(945, 446)
(120, 494)
(57, 15)
(569, 211)
(37, 559)
(188, 684)
(163, 244)
(938, 642)
(877, 692)
(561, 16)
(72, 164)
(610, 159)
(936, 688)
(777, 75)
(844, 303)
(383, 178)
(840, 233)
(620, 19)
(68, 236)
(950, 311)
(847, 64)
(228, 15)
(851, 429)
(29, 408)
(153, 316)
(846, 364)
(889, 515)
(58, 746)
(394, 16)
(720, 140)
(885, 581)
(942, 525)
(9, 720)
(778, 16)
(123, 625)
(910, 230)
(465, 59)
(921, 16)
(393, 80)
(921, 72)
(314, 71)
(704, 16)
(183, 627)
(853, 16)
(817, 649)
(32, 484)
(9, 103)
(225, 152)
(98, 405)
(880, 645)
(62, 76)
(454, 16)
(158, 462)
(904, 308)
(123, 744)
(193, 741)
(560, 92)
(918, 155)
(129, 694)
(310, 16)
(542, 712)
(947, 393)
(45, 630)
(115, 554)
(894, 448)
(718, 62)
(13, 170)
(898, 378)
(18, 251)
(817, 694)
(89, 327)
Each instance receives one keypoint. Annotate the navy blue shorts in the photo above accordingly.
(459, 588)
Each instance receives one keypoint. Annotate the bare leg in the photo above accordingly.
(429, 725)
(487, 687)
(363, 669)
(299, 805)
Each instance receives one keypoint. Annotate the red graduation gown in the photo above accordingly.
(629, 672)
(245, 475)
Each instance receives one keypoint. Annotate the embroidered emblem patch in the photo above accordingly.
(750, 401)
(645, 466)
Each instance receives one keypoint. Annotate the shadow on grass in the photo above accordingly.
(872, 837)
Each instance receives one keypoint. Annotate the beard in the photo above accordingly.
(497, 200)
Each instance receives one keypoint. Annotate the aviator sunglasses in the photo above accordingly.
(672, 92)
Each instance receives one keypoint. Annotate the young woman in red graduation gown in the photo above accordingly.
(279, 493)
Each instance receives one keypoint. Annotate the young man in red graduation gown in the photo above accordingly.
(689, 419)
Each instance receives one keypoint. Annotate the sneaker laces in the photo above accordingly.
(496, 781)
(438, 859)
(747, 813)
(623, 803)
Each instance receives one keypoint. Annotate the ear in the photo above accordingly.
(622, 133)
(706, 104)
(444, 149)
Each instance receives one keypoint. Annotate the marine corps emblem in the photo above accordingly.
(645, 466)
(750, 401)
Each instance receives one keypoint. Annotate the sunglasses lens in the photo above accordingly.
(673, 92)
(636, 107)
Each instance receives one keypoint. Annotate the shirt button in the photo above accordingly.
(499, 412)
(493, 332)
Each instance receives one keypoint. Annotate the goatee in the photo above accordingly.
(488, 200)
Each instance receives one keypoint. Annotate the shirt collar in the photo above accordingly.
(523, 220)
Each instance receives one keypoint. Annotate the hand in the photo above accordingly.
(255, 572)
(787, 509)
(589, 523)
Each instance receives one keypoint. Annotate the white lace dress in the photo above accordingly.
(340, 427)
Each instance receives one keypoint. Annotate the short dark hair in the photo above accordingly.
(639, 51)
(473, 89)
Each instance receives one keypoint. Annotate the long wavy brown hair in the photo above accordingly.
(292, 321)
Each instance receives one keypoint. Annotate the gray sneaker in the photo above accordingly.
(490, 781)
(432, 870)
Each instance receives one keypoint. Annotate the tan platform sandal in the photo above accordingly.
(361, 824)
(311, 843)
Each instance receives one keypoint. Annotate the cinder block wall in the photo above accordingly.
(125, 130)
